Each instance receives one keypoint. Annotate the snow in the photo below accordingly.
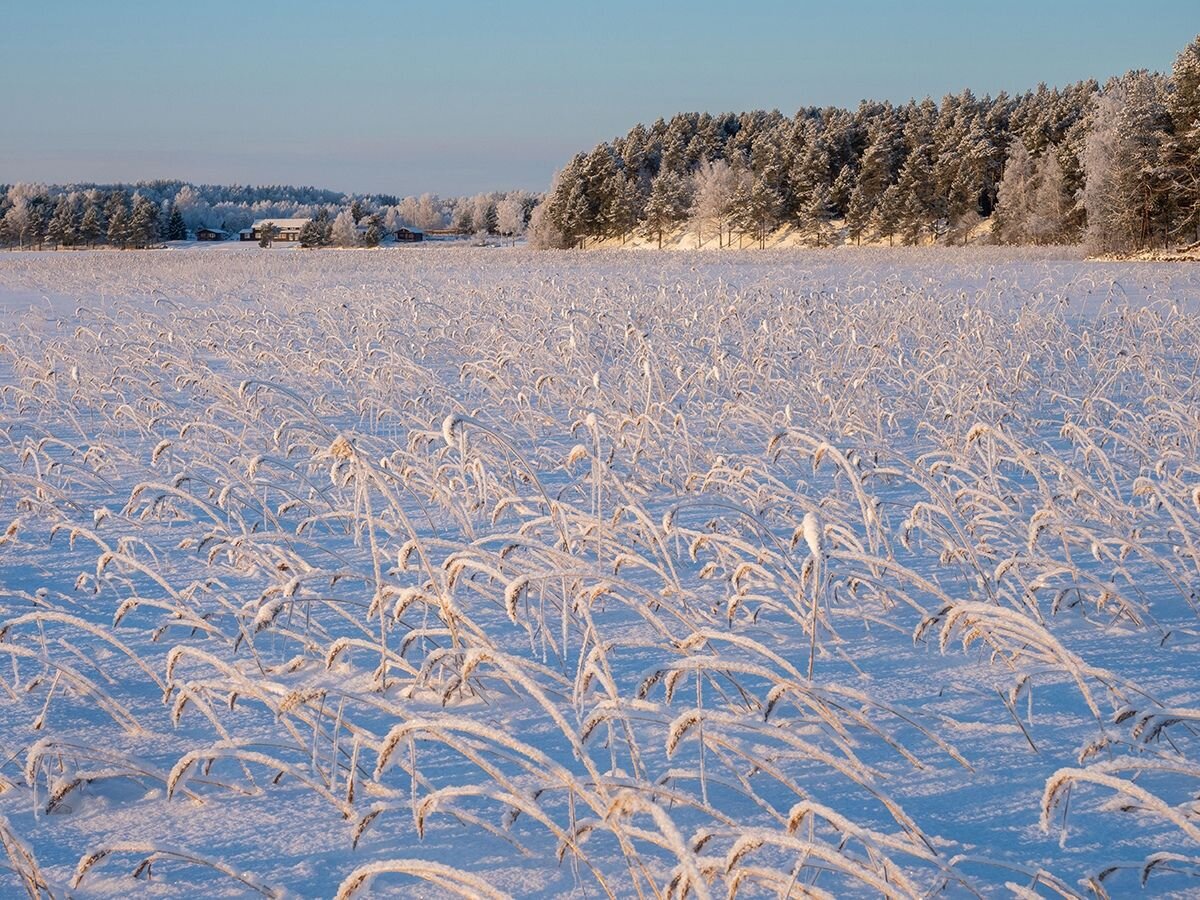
(587, 509)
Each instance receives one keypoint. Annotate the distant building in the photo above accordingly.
(211, 234)
(409, 235)
(285, 229)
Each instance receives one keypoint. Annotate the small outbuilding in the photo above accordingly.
(204, 233)
(405, 235)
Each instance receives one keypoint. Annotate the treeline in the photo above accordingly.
(148, 213)
(359, 225)
(1117, 166)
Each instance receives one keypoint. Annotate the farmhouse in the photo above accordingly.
(204, 233)
(285, 229)
(409, 235)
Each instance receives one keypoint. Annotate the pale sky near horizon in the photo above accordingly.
(402, 97)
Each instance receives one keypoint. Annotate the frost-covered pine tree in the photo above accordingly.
(1125, 165)
(916, 188)
(888, 213)
(483, 214)
(430, 215)
(344, 232)
(816, 216)
(510, 216)
(176, 227)
(1015, 196)
(311, 234)
(1183, 105)
(667, 206)
(143, 221)
(874, 176)
(373, 234)
(1049, 208)
(266, 234)
(90, 227)
(17, 222)
(118, 225)
(62, 226)
(712, 189)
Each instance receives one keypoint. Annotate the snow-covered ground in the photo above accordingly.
(847, 573)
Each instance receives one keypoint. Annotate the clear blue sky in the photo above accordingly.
(456, 97)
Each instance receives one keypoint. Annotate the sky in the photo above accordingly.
(458, 97)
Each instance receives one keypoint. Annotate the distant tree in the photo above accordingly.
(118, 222)
(918, 211)
(1183, 147)
(874, 176)
(16, 223)
(842, 190)
(36, 223)
(667, 206)
(324, 225)
(344, 232)
(267, 233)
(1049, 209)
(430, 216)
(143, 222)
(464, 216)
(373, 234)
(62, 226)
(817, 214)
(176, 227)
(626, 206)
(1015, 196)
(889, 213)
(761, 210)
(510, 216)
(544, 232)
(90, 227)
(1125, 162)
(712, 191)
(311, 234)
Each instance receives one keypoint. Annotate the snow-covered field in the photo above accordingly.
(853, 573)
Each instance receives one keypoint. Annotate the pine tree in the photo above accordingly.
(627, 207)
(266, 234)
(374, 232)
(344, 232)
(176, 229)
(917, 211)
(61, 228)
(1183, 150)
(117, 216)
(1049, 207)
(818, 214)
(1127, 182)
(842, 190)
(36, 222)
(711, 192)
(325, 226)
(667, 205)
(90, 228)
(311, 234)
(1015, 196)
(889, 212)
(143, 222)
